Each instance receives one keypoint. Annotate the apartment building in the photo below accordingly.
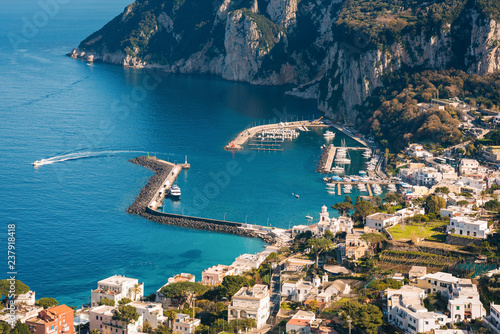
(54, 320)
(251, 302)
(116, 288)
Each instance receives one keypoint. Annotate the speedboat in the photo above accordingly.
(175, 191)
(331, 184)
(329, 134)
(309, 217)
(37, 163)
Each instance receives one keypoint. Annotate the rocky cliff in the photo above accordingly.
(331, 50)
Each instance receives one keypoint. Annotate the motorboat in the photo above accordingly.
(330, 184)
(337, 169)
(309, 217)
(37, 163)
(175, 191)
(329, 134)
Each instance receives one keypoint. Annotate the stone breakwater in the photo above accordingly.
(140, 206)
(325, 160)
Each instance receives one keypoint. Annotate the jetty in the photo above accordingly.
(326, 159)
(244, 136)
(153, 193)
(350, 134)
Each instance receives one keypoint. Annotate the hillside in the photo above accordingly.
(334, 51)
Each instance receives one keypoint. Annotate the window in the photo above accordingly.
(96, 317)
(458, 308)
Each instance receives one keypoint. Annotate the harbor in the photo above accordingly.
(267, 137)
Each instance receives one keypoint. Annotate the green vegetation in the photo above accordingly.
(490, 290)
(492, 205)
(107, 301)
(19, 288)
(230, 285)
(343, 207)
(318, 246)
(126, 314)
(417, 259)
(46, 302)
(417, 230)
(364, 316)
(381, 285)
(434, 203)
(362, 209)
(124, 301)
(434, 302)
(181, 290)
(374, 237)
(268, 29)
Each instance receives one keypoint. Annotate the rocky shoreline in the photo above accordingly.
(140, 206)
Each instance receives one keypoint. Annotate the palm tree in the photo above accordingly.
(171, 315)
(136, 289)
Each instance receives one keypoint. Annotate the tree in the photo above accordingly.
(126, 314)
(462, 203)
(4, 328)
(328, 235)
(107, 301)
(232, 284)
(442, 190)
(146, 327)
(124, 301)
(433, 203)
(136, 290)
(391, 197)
(348, 199)
(171, 315)
(19, 288)
(343, 207)
(162, 329)
(363, 209)
(181, 290)
(366, 317)
(46, 302)
(21, 328)
(492, 205)
(319, 245)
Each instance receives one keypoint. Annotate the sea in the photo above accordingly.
(86, 121)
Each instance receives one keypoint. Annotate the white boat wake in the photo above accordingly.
(79, 155)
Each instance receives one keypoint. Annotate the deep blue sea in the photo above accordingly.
(71, 226)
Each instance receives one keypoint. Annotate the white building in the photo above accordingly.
(466, 226)
(405, 310)
(27, 298)
(116, 288)
(379, 221)
(215, 274)
(185, 324)
(150, 312)
(471, 166)
(247, 262)
(326, 223)
(417, 150)
(464, 303)
(495, 315)
(297, 290)
(101, 319)
(406, 213)
(453, 210)
(253, 303)
(437, 282)
(427, 176)
(182, 277)
(300, 323)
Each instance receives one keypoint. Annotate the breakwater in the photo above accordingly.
(142, 205)
(326, 159)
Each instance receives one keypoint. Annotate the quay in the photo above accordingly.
(326, 159)
(153, 193)
(348, 133)
(237, 143)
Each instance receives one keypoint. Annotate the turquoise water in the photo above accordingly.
(71, 225)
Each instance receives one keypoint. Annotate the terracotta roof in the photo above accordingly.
(60, 309)
(298, 322)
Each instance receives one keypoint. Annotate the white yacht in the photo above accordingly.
(37, 163)
(329, 134)
(391, 187)
(347, 188)
(309, 217)
(337, 169)
(175, 191)
(361, 187)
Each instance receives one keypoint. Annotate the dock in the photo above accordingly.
(348, 133)
(237, 143)
(326, 159)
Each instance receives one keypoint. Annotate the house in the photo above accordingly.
(182, 277)
(406, 213)
(437, 282)
(215, 274)
(101, 319)
(405, 310)
(253, 303)
(417, 272)
(417, 150)
(185, 324)
(470, 166)
(297, 265)
(150, 312)
(247, 262)
(300, 323)
(54, 320)
(495, 315)
(467, 226)
(453, 210)
(326, 223)
(22, 313)
(379, 221)
(27, 298)
(116, 288)
(464, 303)
(492, 153)
(355, 247)
(296, 289)
(427, 176)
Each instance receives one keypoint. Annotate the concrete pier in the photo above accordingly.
(326, 159)
(237, 143)
(368, 186)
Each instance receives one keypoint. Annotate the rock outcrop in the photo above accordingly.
(322, 47)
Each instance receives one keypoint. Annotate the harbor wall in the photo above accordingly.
(140, 206)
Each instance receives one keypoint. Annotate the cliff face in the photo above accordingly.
(326, 48)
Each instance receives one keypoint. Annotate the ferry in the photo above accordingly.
(329, 134)
(175, 191)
